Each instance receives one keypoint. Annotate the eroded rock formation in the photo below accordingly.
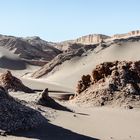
(113, 83)
(11, 83)
(45, 100)
(126, 35)
(84, 83)
(92, 39)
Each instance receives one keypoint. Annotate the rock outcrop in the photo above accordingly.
(92, 39)
(126, 35)
(112, 83)
(84, 83)
(11, 83)
(45, 100)
(79, 42)
(16, 116)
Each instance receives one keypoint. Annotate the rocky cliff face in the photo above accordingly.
(126, 35)
(33, 49)
(84, 40)
(97, 38)
(92, 39)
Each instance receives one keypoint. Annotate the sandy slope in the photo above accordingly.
(103, 123)
(70, 71)
(86, 123)
(40, 84)
(10, 61)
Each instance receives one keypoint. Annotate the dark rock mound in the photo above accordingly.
(11, 83)
(16, 116)
(112, 83)
(47, 101)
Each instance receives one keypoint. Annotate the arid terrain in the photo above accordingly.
(86, 88)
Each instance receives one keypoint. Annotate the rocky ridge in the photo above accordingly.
(82, 50)
(94, 39)
(126, 35)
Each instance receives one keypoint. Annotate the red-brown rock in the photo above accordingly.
(11, 83)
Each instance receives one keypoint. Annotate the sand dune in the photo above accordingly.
(69, 72)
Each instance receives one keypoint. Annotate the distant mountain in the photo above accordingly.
(32, 49)
(35, 51)
(93, 39)
(85, 40)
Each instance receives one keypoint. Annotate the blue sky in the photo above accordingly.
(58, 20)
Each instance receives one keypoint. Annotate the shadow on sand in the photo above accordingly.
(49, 131)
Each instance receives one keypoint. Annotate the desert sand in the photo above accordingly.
(68, 72)
(85, 123)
